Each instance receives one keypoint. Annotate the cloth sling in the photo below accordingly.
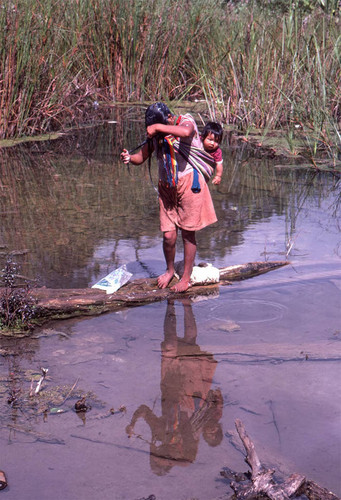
(202, 162)
(169, 160)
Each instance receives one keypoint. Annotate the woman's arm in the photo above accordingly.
(139, 157)
(184, 130)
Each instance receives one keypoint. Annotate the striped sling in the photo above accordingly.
(201, 161)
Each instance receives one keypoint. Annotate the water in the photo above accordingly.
(266, 350)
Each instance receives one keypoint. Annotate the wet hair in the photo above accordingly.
(157, 113)
(213, 128)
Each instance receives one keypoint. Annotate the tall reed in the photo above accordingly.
(282, 72)
(254, 65)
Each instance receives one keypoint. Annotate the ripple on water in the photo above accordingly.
(251, 310)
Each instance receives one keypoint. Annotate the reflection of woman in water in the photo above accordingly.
(189, 406)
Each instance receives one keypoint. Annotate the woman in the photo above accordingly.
(184, 198)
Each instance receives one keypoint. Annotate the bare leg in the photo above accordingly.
(190, 249)
(169, 246)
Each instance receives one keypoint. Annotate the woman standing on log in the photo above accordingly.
(184, 198)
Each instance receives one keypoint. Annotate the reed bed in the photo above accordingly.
(256, 64)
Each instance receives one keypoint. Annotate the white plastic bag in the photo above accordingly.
(203, 274)
(114, 280)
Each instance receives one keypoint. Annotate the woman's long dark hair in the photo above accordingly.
(157, 113)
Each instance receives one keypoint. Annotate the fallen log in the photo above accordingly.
(249, 270)
(67, 303)
(261, 484)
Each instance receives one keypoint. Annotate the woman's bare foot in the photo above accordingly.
(182, 286)
(164, 280)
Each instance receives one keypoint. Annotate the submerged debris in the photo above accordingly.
(19, 392)
(81, 405)
(42, 378)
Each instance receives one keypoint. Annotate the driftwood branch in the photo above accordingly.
(67, 303)
(260, 484)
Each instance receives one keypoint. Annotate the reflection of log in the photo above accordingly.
(67, 303)
(262, 485)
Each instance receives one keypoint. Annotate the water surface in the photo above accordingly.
(177, 374)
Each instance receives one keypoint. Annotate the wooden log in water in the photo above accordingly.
(67, 303)
(249, 270)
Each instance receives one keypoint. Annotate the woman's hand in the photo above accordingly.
(139, 157)
(125, 156)
(152, 130)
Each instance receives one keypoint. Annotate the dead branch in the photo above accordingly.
(261, 483)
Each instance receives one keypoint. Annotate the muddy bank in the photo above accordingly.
(274, 145)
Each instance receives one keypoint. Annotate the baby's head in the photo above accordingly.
(157, 113)
(211, 136)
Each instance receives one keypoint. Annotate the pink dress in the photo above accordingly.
(217, 155)
(180, 206)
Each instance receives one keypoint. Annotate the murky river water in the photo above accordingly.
(178, 374)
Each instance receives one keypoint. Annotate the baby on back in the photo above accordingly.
(211, 137)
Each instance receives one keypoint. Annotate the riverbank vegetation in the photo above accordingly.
(16, 303)
(267, 65)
